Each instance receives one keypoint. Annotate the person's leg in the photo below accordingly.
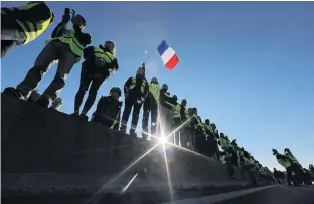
(135, 116)
(6, 45)
(154, 114)
(128, 104)
(66, 61)
(41, 65)
(98, 80)
(86, 79)
(289, 175)
(146, 110)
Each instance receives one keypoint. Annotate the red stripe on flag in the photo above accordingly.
(172, 62)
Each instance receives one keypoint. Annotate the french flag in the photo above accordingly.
(168, 55)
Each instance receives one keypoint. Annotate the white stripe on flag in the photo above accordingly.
(167, 55)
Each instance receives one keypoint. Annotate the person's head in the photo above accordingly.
(213, 125)
(154, 80)
(184, 102)
(207, 122)
(164, 87)
(222, 134)
(57, 103)
(175, 98)
(310, 166)
(190, 111)
(195, 111)
(140, 72)
(287, 150)
(79, 21)
(115, 93)
(110, 46)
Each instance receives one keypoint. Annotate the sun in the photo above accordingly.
(163, 140)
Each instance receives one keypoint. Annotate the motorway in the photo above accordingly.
(276, 194)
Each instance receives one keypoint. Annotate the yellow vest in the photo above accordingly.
(176, 111)
(154, 89)
(69, 38)
(134, 83)
(32, 29)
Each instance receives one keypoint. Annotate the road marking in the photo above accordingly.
(218, 197)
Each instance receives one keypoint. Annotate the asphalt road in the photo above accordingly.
(276, 194)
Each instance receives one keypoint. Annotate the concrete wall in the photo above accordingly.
(43, 150)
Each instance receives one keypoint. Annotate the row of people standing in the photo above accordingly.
(67, 46)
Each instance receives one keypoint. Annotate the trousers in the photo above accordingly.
(150, 106)
(90, 75)
(130, 102)
(54, 50)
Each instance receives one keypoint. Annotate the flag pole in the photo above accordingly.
(150, 55)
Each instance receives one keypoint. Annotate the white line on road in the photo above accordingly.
(218, 197)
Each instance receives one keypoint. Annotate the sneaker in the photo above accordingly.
(43, 102)
(123, 129)
(10, 91)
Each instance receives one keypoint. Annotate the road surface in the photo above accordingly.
(275, 194)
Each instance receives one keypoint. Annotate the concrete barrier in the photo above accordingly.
(44, 151)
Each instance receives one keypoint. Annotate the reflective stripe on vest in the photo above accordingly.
(134, 83)
(186, 113)
(154, 89)
(114, 122)
(199, 124)
(176, 111)
(109, 57)
(98, 52)
(32, 29)
(168, 96)
(283, 162)
(293, 159)
(223, 142)
(69, 38)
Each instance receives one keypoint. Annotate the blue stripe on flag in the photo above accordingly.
(162, 47)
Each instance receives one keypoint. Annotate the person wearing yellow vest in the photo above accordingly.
(176, 120)
(151, 105)
(290, 167)
(185, 132)
(67, 47)
(200, 134)
(136, 90)
(99, 63)
(23, 24)
(108, 111)
(211, 144)
(165, 111)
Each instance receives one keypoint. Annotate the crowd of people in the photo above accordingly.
(168, 117)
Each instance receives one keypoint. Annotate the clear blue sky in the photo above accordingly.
(247, 66)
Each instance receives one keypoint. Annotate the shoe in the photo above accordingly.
(10, 91)
(123, 129)
(133, 134)
(84, 117)
(76, 114)
(43, 102)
